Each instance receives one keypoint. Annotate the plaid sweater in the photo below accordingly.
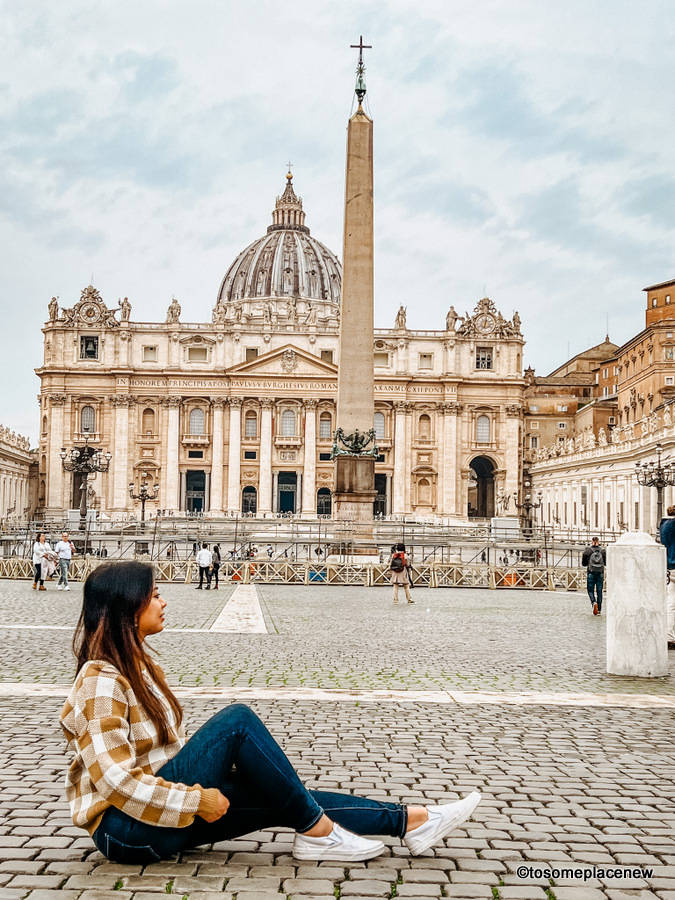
(117, 752)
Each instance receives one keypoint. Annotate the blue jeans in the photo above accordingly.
(264, 791)
(64, 565)
(594, 583)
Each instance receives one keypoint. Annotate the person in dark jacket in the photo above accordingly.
(595, 560)
(667, 537)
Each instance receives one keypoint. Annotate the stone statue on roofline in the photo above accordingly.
(173, 312)
(451, 319)
(400, 322)
(53, 307)
(125, 309)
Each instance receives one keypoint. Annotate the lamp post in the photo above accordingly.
(144, 495)
(84, 461)
(658, 475)
(528, 505)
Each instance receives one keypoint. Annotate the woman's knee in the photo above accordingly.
(239, 715)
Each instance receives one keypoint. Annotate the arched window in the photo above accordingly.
(197, 421)
(379, 426)
(323, 502)
(148, 421)
(288, 423)
(87, 419)
(249, 500)
(424, 492)
(425, 427)
(483, 430)
(324, 426)
(251, 424)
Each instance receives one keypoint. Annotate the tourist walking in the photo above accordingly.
(144, 793)
(667, 536)
(41, 549)
(595, 560)
(215, 566)
(399, 571)
(64, 550)
(204, 560)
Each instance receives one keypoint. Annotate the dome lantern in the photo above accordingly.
(288, 211)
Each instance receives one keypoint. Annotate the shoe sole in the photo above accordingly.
(336, 856)
(454, 823)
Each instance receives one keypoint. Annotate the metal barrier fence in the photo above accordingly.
(432, 575)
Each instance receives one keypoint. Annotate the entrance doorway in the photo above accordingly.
(323, 502)
(195, 490)
(380, 503)
(249, 500)
(481, 488)
(288, 488)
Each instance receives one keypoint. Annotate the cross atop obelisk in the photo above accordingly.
(361, 69)
(354, 448)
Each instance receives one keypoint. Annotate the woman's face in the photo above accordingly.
(151, 618)
(41, 538)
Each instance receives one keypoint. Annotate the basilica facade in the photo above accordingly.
(237, 415)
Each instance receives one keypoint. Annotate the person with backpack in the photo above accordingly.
(667, 537)
(595, 560)
(399, 571)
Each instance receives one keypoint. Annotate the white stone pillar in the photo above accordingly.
(309, 474)
(171, 500)
(56, 441)
(512, 453)
(234, 456)
(636, 610)
(120, 460)
(398, 504)
(449, 459)
(218, 437)
(265, 482)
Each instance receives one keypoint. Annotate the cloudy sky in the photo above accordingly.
(523, 150)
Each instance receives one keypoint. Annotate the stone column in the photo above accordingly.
(171, 500)
(400, 475)
(309, 479)
(637, 641)
(355, 475)
(120, 460)
(449, 458)
(265, 482)
(512, 449)
(234, 457)
(217, 457)
(56, 441)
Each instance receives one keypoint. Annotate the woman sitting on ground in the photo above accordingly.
(144, 793)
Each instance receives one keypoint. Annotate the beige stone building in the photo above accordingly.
(238, 414)
(18, 472)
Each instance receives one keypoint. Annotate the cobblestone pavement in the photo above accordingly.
(349, 637)
(565, 788)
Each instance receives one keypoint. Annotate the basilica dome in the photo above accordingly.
(285, 262)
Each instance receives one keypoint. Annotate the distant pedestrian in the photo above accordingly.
(595, 560)
(399, 571)
(41, 549)
(667, 535)
(270, 551)
(215, 566)
(204, 560)
(64, 550)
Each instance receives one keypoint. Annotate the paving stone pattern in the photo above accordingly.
(564, 787)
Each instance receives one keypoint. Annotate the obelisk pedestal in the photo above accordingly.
(355, 473)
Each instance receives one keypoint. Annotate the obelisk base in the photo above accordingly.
(354, 489)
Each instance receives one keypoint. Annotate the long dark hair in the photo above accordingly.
(114, 596)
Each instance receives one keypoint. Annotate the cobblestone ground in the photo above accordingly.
(565, 787)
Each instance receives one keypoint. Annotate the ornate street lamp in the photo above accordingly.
(144, 495)
(658, 475)
(527, 506)
(84, 461)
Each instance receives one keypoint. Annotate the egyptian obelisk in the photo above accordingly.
(354, 448)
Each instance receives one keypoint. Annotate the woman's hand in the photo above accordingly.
(222, 806)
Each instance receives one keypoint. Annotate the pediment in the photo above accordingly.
(285, 361)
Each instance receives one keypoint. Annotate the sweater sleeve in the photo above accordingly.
(103, 741)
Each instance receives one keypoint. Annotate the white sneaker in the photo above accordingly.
(442, 820)
(66, 588)
(340, 845)
(59, 587)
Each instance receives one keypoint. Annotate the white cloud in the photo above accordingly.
(524, 149)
